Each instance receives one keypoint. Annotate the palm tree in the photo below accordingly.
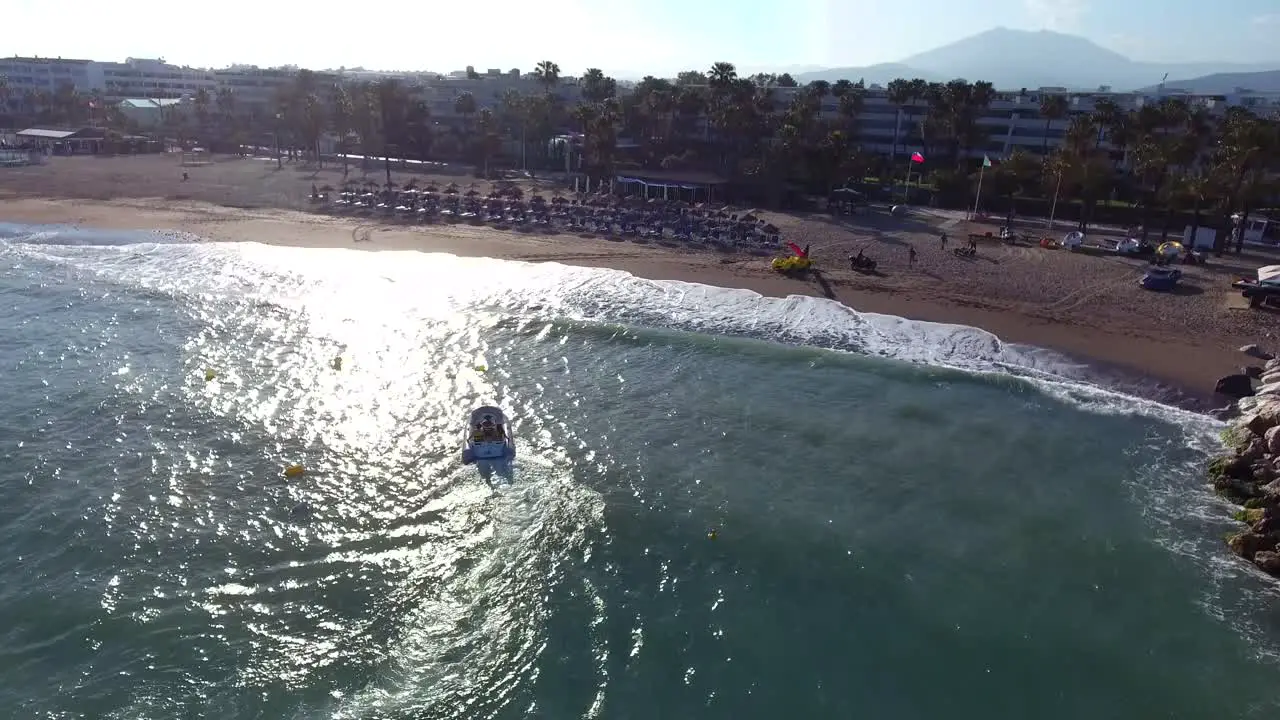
(487, 141)
(202, 103)
(1248, 147)
(918, 90)
(68, 105)
(1150, 163)
(391, 102)
(722, 76)
(601, 143)
(341, 116)
(819, 89)
(597, 87)
(419, 130)
(548, 74)
(584, 117)
(465, 105)
(1200, 188)
(225, 102)
(364, 116)
(1014, 175)
(1052, 107)
(1090, 173)
(515, 111)
(899, 94)
(313, 124)
(852, 98)
(540, 112)
(690, 106)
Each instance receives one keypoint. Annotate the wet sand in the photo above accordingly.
(1088, 307)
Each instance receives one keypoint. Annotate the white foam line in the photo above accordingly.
(609, 295)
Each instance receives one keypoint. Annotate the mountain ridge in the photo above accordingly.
(1014, 59)
(1266, 81)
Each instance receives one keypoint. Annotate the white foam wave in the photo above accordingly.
(616, 296)
(436, 282)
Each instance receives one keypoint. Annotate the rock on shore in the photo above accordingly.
(1249, 473)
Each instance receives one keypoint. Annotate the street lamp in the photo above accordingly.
(279, 160)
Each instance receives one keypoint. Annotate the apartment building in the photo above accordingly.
(1013, 120)
(442, 92)
(148, 78)
(29, 74)
(257, 90)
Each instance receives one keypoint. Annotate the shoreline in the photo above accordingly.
(1170, 347)
(1119, 361)
(1247, 474)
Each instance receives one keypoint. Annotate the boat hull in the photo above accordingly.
(475, 452)
(487, 437)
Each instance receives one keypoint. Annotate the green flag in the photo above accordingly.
(986, 161)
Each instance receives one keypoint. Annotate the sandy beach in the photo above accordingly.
(1088, 307)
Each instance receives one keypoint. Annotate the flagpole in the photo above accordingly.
(978, 197)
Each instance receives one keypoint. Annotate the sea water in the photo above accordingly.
(724, 505)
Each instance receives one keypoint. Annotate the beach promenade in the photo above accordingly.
(1089, 307)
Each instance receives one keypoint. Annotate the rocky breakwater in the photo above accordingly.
(1249, 473)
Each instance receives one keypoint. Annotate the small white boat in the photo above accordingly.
(488, 436)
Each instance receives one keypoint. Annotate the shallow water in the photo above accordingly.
(724, 505)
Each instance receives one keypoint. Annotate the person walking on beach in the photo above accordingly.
(911, 256)
(943, 239)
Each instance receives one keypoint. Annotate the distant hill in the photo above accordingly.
(1224, 83)
(881, 74)
(1013, 59)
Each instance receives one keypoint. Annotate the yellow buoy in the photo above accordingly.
(481, 368)
(294, 471)
(209, 375)
(711, 534)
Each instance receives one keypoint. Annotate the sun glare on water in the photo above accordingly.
(380, 548)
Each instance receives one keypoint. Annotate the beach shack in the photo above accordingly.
(62, 141)
(687, 185)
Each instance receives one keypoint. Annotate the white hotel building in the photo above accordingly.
(1013, 120)
(146, 78)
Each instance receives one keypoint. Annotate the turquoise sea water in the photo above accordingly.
(725, 506)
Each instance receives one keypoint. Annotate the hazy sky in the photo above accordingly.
(651, 36)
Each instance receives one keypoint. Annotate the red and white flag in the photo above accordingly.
(917, 157)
